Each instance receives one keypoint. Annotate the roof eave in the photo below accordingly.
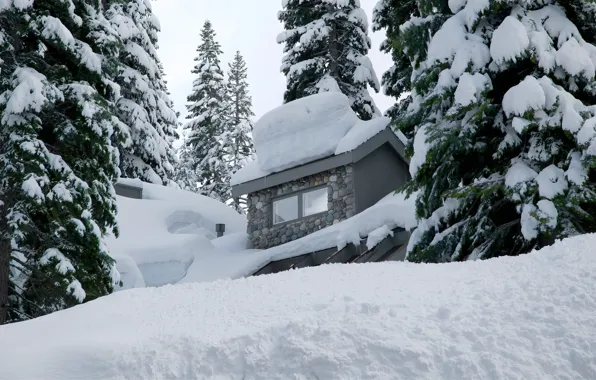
(384, 137)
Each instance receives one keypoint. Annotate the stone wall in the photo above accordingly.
(340, 197)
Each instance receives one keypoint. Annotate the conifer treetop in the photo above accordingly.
(144, 105)
(207, 109)
(326, 46)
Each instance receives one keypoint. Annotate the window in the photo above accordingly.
(314, 202)
(298, 206)
(285, 209)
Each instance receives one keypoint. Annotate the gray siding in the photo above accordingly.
(376, 175)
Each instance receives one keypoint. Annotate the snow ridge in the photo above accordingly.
(459, 321)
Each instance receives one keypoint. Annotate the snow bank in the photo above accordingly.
(306, 130)
(166, 232)
(526, 317)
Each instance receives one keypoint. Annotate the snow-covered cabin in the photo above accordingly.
(317, 164)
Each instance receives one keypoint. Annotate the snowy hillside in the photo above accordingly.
(528, 317)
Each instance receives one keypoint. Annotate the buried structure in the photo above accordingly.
(317, 165)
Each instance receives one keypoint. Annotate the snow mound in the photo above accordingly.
(510, 41)
(302, 130)
(162, 235)
(526, 317)
(523, 97)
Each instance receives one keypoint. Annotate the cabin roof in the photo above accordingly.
(255, 179)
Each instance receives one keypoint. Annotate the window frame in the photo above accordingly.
(300, 195)
(312, 190)
(281, 198)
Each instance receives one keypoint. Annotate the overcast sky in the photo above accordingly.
(250, 26)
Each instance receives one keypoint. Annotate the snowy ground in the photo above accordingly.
(529, 317)
(169, 237)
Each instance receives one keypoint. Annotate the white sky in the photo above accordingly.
(240, 25)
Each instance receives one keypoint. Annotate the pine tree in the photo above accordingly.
(57, 161)
(144, 106)
(206, 107)
(503, 118)
(6, 21)
(237, 141)
(214, 172)
(185, 175)
(326, 47)
(170, 130)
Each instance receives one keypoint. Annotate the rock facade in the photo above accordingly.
(340, 205)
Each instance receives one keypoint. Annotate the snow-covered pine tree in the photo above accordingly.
(505, 127)
(6, 19)
(170, 130)
(206, 108)
(57, 162)
(144, 106)
(237, 140)
(185, 174)
(326, 47)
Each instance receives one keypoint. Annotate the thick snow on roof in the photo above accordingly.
(306, 130)
(360, 133)
(525, 317)
(303, 130)
(248, 172)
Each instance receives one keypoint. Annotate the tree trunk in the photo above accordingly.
(333, 47)
(5, 251)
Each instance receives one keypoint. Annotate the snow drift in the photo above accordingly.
(528, 317)
(162, 235)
